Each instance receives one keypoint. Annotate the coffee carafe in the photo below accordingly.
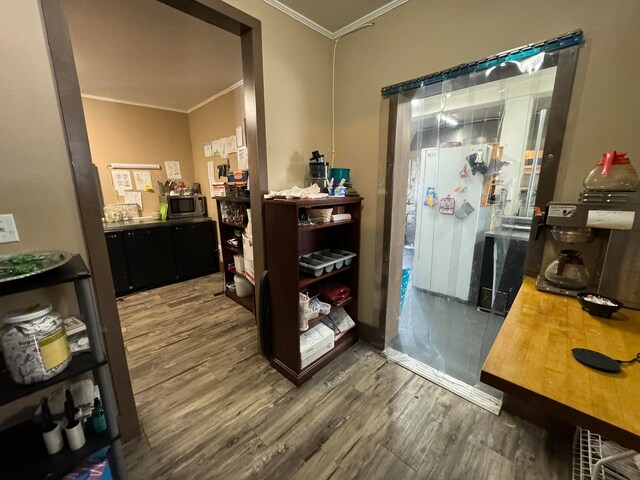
(568, 271)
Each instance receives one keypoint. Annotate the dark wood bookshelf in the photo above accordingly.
(285, 242)
(228, 252)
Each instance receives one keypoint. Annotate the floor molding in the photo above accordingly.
(473, 395)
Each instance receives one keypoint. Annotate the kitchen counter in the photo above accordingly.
(150, 222)
(531, 359)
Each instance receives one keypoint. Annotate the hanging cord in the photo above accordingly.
(333, 89)
(634, 359)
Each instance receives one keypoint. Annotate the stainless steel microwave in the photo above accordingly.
(185, 205)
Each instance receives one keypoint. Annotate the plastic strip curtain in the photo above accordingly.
(466, 221)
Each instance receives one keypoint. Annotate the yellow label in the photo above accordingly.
(54, 349)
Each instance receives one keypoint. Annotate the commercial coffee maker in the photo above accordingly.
(589, 246)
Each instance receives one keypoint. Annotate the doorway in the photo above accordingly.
(232, 21)
(473, 156)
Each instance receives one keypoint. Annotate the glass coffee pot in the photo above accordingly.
(568, 271)
(613, 172)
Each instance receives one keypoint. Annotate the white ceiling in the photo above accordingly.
(334, 18)
(144, 52)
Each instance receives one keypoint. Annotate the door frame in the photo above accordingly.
(396, 180)
(216, 13)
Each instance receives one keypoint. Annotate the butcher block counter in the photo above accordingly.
(531, 359)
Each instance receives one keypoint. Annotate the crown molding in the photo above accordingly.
(217, 95)
(301, 18)
(134, 104)
(367, 18)
(344, 30)
(158, 107)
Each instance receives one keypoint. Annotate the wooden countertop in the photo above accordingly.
(531, 358)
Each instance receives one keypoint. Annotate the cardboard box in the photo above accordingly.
(315, 342)
(217, 189)
(247, 250)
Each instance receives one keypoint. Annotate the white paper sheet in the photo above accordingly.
(240, 136)
(133, 197)
(613, 219)
(215, 148)
(222, 148)
(243, 158)
(211, 170)
(173, 170)
(232, 146)
(121, 180)
(208, 150)
(143, 180)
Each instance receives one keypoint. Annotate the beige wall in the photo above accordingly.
(36, 184)
(121, 133)
(297, 81)
(424, 36)
(215, 120)
(33, 154)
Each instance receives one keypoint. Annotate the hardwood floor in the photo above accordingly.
(211, 407)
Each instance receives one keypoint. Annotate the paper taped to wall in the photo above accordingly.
(243, 158)
(173, 170)
(143, 180)
(121, 180)
(208, 150)
(240, 136)
(211, 170)
(232, 146)
(133, 197)
(613, 219)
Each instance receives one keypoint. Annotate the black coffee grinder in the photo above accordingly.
(318, 172)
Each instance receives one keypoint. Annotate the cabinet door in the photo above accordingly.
(150, 256)
(195, 249)
(118, 262)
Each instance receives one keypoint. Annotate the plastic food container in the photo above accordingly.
(238, 262)
(317, 263)
(243, 287)
(34, 344)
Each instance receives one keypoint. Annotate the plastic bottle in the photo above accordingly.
(98, 418)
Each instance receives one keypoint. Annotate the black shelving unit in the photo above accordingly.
(23, 452)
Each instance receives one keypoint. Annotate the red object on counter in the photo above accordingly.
(333, 292)
(612, 158)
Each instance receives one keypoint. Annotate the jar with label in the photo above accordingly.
(34, 344)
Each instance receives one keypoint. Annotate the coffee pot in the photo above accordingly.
(568, 271)
(613, 172)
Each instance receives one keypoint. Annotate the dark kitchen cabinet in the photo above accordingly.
(161, 253)
(150, 257)
(118, 262)
(194, 247)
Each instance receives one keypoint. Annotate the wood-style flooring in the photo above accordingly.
(212, 408)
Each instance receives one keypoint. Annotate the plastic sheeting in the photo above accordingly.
(475, 142)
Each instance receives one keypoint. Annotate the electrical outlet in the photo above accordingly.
(8, 230)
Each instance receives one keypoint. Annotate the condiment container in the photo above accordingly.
(613, 172)
(34, 344)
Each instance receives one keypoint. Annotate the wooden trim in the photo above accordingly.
(221, 15)
(66, 78)
(393, 236)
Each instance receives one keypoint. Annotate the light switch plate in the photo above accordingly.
(8, 230)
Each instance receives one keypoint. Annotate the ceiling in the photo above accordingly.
(333, 18)
(144, 52)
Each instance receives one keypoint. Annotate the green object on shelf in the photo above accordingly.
(164, 207)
